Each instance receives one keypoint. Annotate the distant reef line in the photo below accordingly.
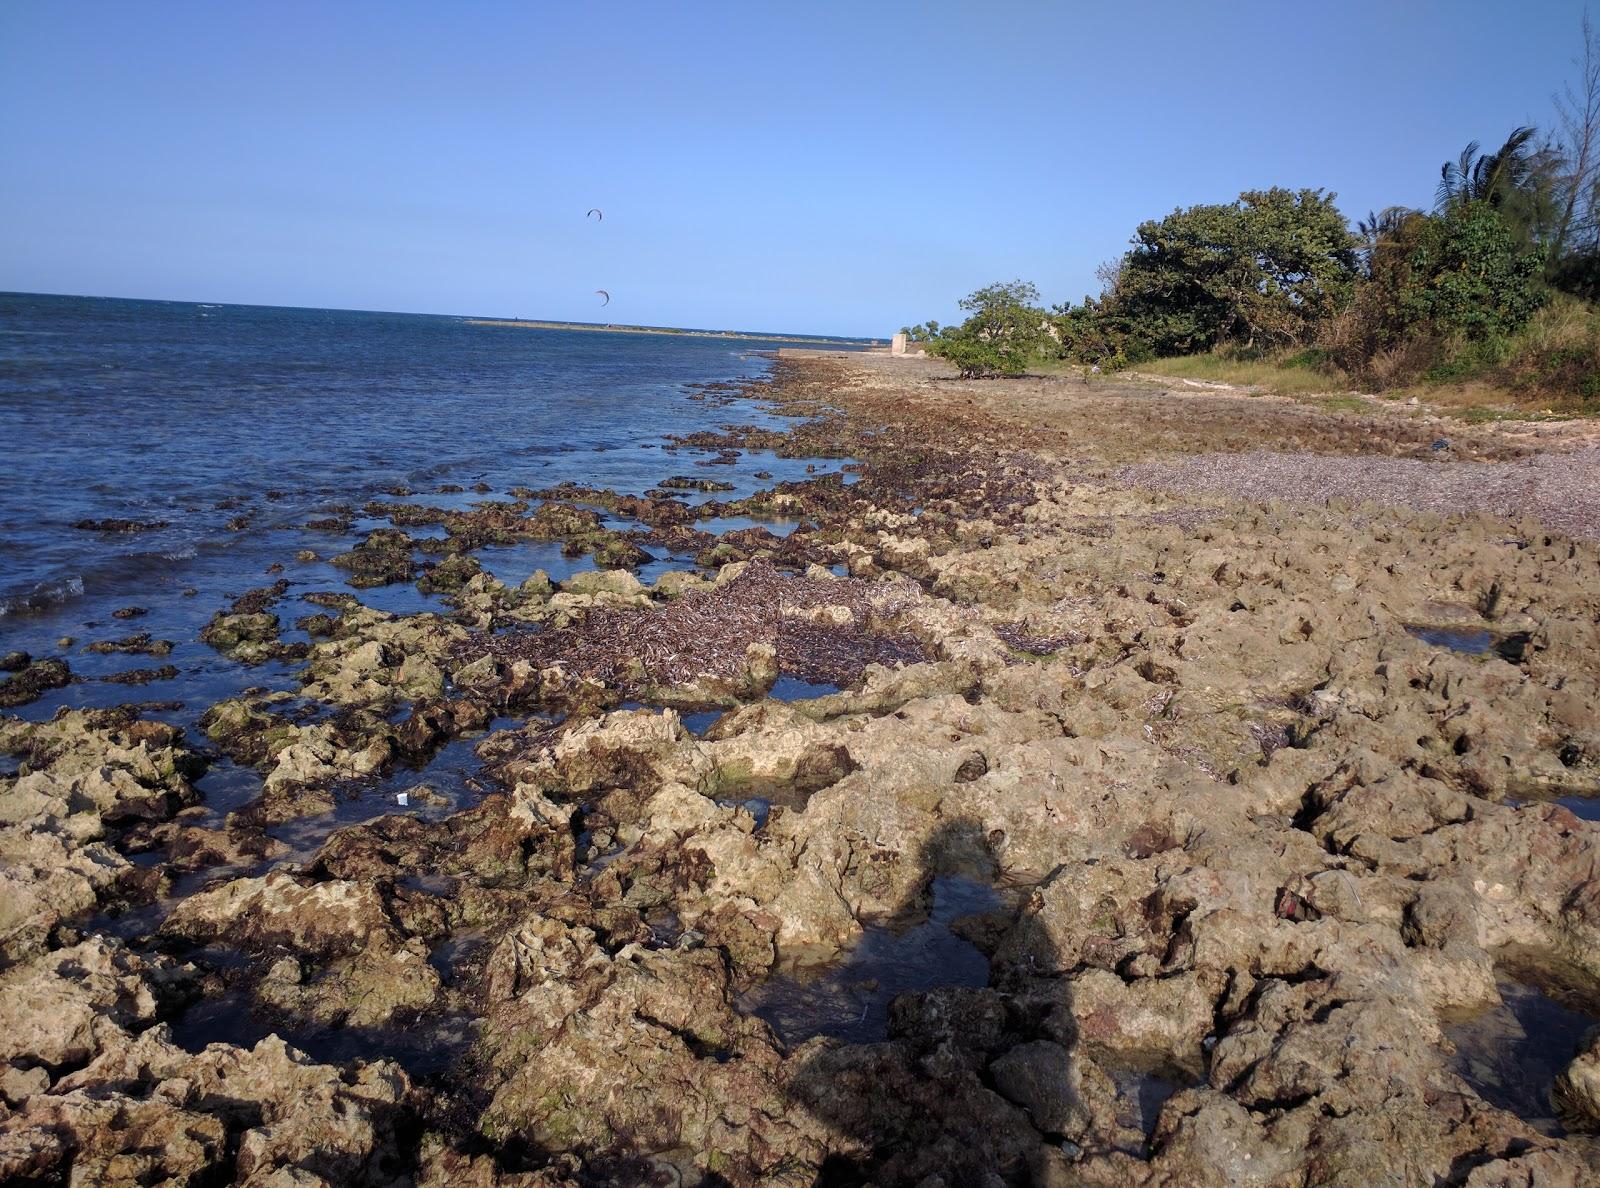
(738, 335)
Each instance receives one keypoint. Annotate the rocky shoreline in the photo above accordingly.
(1033, 812)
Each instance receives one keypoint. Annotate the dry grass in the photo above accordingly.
(1478, 401)
(1268, 375)
(1551, 368)
(1554, 362)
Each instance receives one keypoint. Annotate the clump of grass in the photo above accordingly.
(1478, 414)
(1555, 359)
(1552, 365)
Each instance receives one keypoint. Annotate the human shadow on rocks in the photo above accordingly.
(971, 1079)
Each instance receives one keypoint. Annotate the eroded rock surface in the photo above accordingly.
(1253, 837)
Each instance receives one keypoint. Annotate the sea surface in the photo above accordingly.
(191, 414)
(235, 425)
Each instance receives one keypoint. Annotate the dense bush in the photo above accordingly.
(1468, 276)
(1441, 295)
(1261, 272)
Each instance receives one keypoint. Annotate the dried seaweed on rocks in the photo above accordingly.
(822, 630)
(1018, 636)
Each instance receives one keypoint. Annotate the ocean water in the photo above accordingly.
(235, 425)
(162, 411)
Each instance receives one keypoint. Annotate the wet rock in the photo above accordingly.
(1577, 1090)
(125, 527)
(1040, 1078)
(140, 643)
(376, 659)
(193, 847)
(253, 602)
(317, 625)
(432, 721)
(682, 482)
(615, 550)
(32, 680)
(554, 520)
(498, 844)
(450, 574)
(384, 556)
(143, 676)
(247, 638)
(299, 761)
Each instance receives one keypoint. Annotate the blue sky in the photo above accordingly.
(824, 167)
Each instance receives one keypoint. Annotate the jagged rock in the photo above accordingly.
(1577, 1089)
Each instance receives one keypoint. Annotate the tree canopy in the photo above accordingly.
(1260, 271)
(1004, 332)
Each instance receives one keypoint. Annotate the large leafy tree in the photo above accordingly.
(1004, 332)
(1264, 271)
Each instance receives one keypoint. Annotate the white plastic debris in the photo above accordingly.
(403, 797)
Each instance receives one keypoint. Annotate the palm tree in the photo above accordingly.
(1489, 177)
(1382, 224)
(1387, 235)
(1521, 180)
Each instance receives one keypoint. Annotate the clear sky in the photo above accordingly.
(824, 167)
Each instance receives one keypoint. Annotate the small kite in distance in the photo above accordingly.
(599, 215)
(607, 296)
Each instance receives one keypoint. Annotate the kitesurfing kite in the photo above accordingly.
(599, 215)
(607, 296)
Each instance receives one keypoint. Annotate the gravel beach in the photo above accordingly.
(1561, 491)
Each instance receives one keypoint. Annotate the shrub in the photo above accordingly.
(1555, 360)
(1005, 332)
(1442, 295)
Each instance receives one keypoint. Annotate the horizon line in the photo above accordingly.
(410, 313)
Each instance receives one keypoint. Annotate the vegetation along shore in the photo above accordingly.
(1486, 302)
(1112, 784)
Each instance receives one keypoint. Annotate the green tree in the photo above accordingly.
(1006, 330)
(1469, 275)
(922, 331)
(1439, 288)
(1522, 180)
(1262, 272)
